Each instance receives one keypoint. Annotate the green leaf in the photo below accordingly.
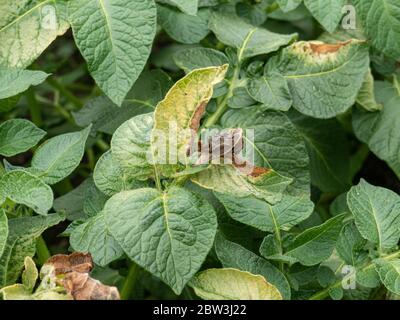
(179, 115)
(288, 5)
(94, 236)
(381, 22)
(233, 284)
(72, 203)
(130, 146)
(94, 199)
(27, 28)
(327, 12)
(187, 6)
(227, 179)
(30, 274)
(182, 27)
(18, 135)
(58, 157)
(100, 31)
(315, 71)
(3, 230)
(366, 95)
(248, 39)
(169, 234)
(376, 212)
(110, 178)
(21, 243)
(235, 256)
(350, 245)
(381, 130)
(389, 273)
(15, 81)
(277, 145)
(197, 58)
(272, 91)
(284, 215)
(316, 244)
(106, 117)
(24, 188)
(240, 99)
(329, 152)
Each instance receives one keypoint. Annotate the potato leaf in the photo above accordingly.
(314, 70)
(18, 135)
(233, 284)
(27, 28)
(24, 188)
(376, 212)
(115, 38)
(169, 234)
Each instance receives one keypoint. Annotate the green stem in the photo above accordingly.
(321, 295)
(65, 92)
(129, 284)
(42, 252)
(34, 108)
(273, 7)
(104, 146)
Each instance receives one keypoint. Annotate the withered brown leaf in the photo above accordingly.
(73, 274)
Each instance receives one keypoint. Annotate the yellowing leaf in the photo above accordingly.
(233, 284)
(179, 115)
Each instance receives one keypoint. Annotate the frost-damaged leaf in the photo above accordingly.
(248, 39)
(72, 273)
(262, 183)
(181, 112)
(58, 157)
(259, 214)
(24, 188)
(277, 145)
(381, 130)
(376, 212)
(75, 262)
(316, 244)
(169, 234)
(235, 256)
(182, 27)
(288, 5)
(197, 58)
(18, 135)
(381, 21)
(93, 236)
(27, 28)
(389, 273)
(3, 230)
(329, 152)
(21, 243)
(14, 81)
(324, 79)
(115, 38)
(187, 6)
(272, 91)
(327, 12)
(130, 146)
(233, 284)
(110, 178)
(366, 95)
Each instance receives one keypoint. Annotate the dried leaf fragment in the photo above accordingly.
(73, 274)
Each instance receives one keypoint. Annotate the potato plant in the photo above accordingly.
(187, 149)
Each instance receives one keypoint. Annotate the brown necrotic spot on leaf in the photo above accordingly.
(324, 48)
